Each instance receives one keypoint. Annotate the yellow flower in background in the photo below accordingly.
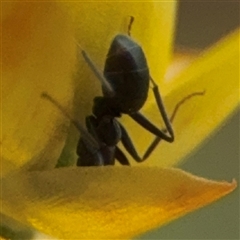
(108, 202)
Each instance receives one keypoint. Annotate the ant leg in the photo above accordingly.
(127, 142)
(149, 126)
(106, 85)
(87, 136)
(89, 146)
(130, 26)
(144, 122)
(157, 139)
(120, 156)
(88, 154)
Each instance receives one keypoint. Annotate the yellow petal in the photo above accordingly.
(182, 58)
(38, 55)
(39, 52)
(109, 202)
(216, 72)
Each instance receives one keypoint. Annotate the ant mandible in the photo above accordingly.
(125, 87)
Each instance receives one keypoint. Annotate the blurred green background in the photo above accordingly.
(199, 25)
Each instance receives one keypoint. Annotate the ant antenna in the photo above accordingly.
(81, 129)
(181, 102)
(130, 26)
(177, 106)
(97, 73)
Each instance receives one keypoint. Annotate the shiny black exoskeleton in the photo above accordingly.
(125, 89)
(125, 86)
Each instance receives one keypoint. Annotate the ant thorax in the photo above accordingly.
(104, 106)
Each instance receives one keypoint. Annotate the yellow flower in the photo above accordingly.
(39, 54)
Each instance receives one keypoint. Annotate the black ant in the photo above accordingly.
(125, 87)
